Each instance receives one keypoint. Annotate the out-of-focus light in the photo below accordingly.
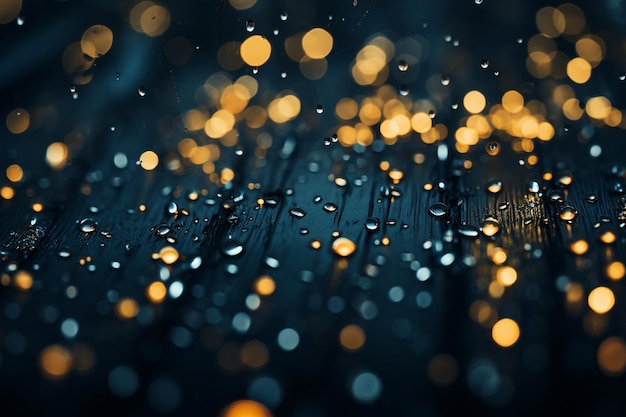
(601, 300)
(256, 50)
(505, 332)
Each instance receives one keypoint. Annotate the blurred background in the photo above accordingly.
(253, 208)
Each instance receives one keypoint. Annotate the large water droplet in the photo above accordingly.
(438, 210)
(232, 248)
(87, 225)
(162, 230)
(171, 208)
(490, 226)
(468, 230)
(330, 207)
(567, 213)
(297, 212)
(372, 224)
(484, 64)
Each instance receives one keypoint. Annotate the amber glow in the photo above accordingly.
(601, 300)
(126, 308)
(343, 246)
(505, 332)
(317, 43)
(9, 10)
(474, 102)
(23, 280)
(612, 356)
(256, 50)
(156, 292)
(352, 337)
(168, 255)
(615, 270)
(149, 160)
(55, 361)
(265, 285)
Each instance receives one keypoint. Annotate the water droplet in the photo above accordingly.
(468, 230)
(255, 70)
(334, 138)
(330, 207)
(250, 25)
(319, 109)
(478, 1)
(232, 248)
(556, 196)
(567, 213)
(438, 210)
(87, 225)
(20, 21)
(404, 91)
(494, 186)
(504, 205)
(431, 114)
(64, 253)
(141, 91)
(239, 151)
(564, 178)
(484, 64)
(454, 106)
(297, 212)
(622, 77)
(162, 230)
(317, 199)
(403, 66)
(117, 76)
(171, 208)
(372, 224)
(355, 2)
(533, 187)
(520, 40)
(283, 74)
(327, 141)
(284, 16)
(591, 199)
(445, 80)
(490, 226)
(343, 246)
(447, 38)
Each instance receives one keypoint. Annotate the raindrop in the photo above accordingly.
(64, 253)
(239, 151)
(87, 225)
(403, 66)
(478, 1)
(162, 230)
(283, 74)
(591, 199)
(445, 80)
(20, 21)
(330, 207)
(334, 138)
(297, 212)
(556, 196)
(438, 210)
(490, 226)
(484, 64)
(622, 77)
(317, 199)
(404, 91)
(117, 76)
(494, 186)
(467, 230)
(284, 16)
(372, 224)
(568, 213)
(250, 25)
(327, 141)
(520, 40)
(431, 114)
(171, 208)
(319, 109)
(255, 70)
(564, 178)
(504, 205)
(355, 2)
(232, 248)
(533, 187)
(141, 91)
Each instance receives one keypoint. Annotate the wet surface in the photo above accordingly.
(312, 209)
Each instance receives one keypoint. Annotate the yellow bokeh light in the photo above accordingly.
(18, 121)
(227, 175)
(579, 247)
(601, 300)
(512, 101)
(168, 255)
(612, 356)
(474, 102)
(55, 361)
(591, 48)
(579, 70)
(466, 136)
(346, 109)
(598, 107)
(156, 292)
(506, 276)
(265, 285)
(14, 173)
(615, 270)
(284, 109)
(242, 4)
(154, 20)
(343, 246)
(7, 193)
(505, 332)
(126, 308)
(149, 160)
(56, 155)
(23, 280)
(317, 43)
(572, 109)
(550, 22)
(9, 10)
(352, 337)
(246, 408)
(421, 122)
(256, 50)
(96, 41)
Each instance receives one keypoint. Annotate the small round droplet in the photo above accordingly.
(403, 66)
(284, 16)
(255, 70)
(297, 212)
(567, 213)
(478, 1)
(232, 248)
(494, 186)
(141, 91)
(330, 207)
(438, 210)
(564, 178)
(64, 253)
(445, 80)
(171, 208)
(250, 25)
(162, 230)
(533, 187)
(319, 109)
(372, 224)
(404, 91)
(504, 205)
(327, 141)
(484, 64)
(622, 77)
(556, 196)
(87, 225)
(468, 230)
(283, 74)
